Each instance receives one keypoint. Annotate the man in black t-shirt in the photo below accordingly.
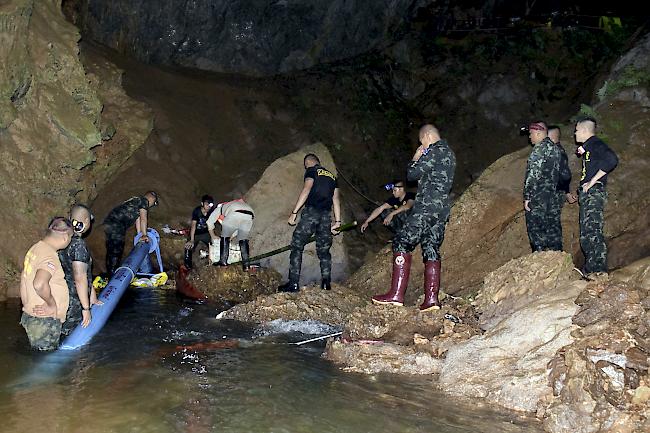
(199, 229)
(394, 210)
(133, 211)
(319, 195)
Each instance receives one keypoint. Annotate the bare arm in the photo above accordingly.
(302, 198)
(142, 227)
(44, 291)
(375, 213)
(79, 271)
(190, 242)
(212, 219)
(406, 206)
(336, 202)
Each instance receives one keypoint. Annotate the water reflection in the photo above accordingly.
(145, 373)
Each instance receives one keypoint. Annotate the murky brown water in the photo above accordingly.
(132, 378)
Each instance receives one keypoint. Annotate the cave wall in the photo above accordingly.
(254, 37)
(52, 128)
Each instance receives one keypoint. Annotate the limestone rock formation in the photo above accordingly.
(273, 198)
(255, 38)
(54, 138)
(601, 380)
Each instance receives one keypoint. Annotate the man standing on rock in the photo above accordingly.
(598, 160)
(43, 290)
(77, 266)
(199, 229)
(540, 185)
(433, 166)
(320, 193)
(133, 211)
(562, 191)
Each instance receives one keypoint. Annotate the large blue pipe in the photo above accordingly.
(112, 293)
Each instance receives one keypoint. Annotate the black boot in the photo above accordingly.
(224, 251)
(245, 256)
(187, 259)
(326, 284)
(289, 287)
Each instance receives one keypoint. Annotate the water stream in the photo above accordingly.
(145, 373)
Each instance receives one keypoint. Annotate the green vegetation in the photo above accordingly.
(629, 77)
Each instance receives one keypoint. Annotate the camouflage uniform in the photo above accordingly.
(555, 210)
(426, 222)
(77, 251)
(597, 156)
(540, 184)
(116, 224)
(312, 221)
(44, 333)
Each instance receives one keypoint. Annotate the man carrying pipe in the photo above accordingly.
(319, 195)
(133, 211)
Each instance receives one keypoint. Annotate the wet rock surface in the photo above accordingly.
(601, 380)
(63, 132)
(231, 285)
(331, 307)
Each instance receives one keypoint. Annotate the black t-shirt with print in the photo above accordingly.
(322, 192)
(395, 203)
(201, 220)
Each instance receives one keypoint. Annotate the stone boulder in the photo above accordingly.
(507, 365)
(273, 198)
(601, 381)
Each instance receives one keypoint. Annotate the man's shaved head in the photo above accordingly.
(428, 129)
(80, 212)
(429, 134)
(554, 133)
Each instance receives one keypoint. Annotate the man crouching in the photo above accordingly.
(43, 290)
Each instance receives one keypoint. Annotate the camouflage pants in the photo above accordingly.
(592, 239)
(397, 222)
(115, 241)
(541, 231)
(555, 222)
(73, 315)
(426, 229)
(312, 221)
(43, 332)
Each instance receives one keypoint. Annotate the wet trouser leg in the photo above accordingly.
(592, 239)
(411, 233)
(115, 240)
(44, 333)
(302, 233)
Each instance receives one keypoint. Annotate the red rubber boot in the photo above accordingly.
(401, 271)
(431, 285)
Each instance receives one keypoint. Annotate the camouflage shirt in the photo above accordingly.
(542, 170)
(564, 181)
(77, 251)
(126, 213)
(435, 175)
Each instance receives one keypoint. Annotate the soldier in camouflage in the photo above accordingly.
(319, 195)
(133, 211)
(562, 192)
(77, 267)
(598, 160)
(433, 166)
(540, 184)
